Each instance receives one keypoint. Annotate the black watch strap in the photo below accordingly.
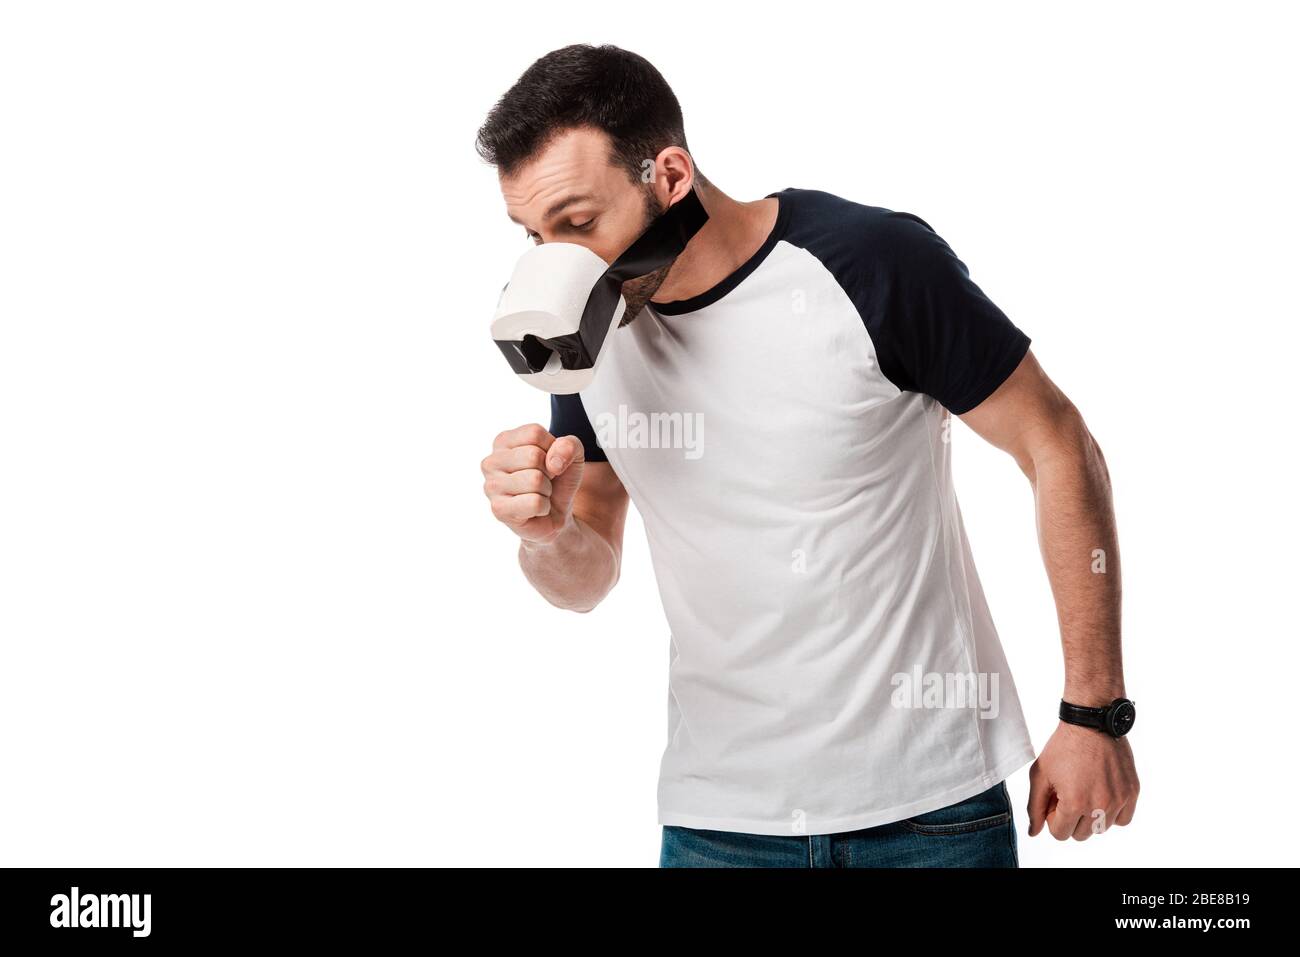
(1087, 717)
(1115, 719)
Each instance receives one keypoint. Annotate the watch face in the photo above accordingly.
(1121, 718)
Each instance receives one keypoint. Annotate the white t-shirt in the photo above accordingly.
(832, 662)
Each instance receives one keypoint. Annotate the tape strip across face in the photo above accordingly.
(661, 243)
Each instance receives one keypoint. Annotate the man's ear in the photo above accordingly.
(673, 174)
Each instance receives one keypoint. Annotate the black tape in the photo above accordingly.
(661, 243)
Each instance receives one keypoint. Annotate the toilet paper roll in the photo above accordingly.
(546, 299)
(548, 292)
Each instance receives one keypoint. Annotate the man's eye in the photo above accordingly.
(583, 227)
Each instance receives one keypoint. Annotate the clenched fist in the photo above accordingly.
(531, 478)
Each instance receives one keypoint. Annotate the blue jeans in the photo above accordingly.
(976, 832)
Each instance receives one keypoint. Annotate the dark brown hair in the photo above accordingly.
(603, 87)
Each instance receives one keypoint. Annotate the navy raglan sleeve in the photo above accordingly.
(935, 330)
(568, 417)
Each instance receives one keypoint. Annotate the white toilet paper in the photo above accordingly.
(545, 298)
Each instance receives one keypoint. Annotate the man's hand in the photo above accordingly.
(531, 479)
(1082, 783)
(570, 532)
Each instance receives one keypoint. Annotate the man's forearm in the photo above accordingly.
(575, 570)
(1076, 532)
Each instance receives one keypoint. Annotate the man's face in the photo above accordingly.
(573, 193)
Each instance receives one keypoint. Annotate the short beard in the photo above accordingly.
(638, 290)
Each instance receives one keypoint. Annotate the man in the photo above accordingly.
(838, 693)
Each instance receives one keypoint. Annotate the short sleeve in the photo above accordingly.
(568, 417)
(935, 330)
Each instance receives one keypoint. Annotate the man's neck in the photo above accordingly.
(734, 232)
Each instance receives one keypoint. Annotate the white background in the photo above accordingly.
(253, 606)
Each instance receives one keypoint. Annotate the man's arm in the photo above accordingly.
(568, 513)
(1080, 771)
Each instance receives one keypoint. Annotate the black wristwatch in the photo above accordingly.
(1116, 719)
